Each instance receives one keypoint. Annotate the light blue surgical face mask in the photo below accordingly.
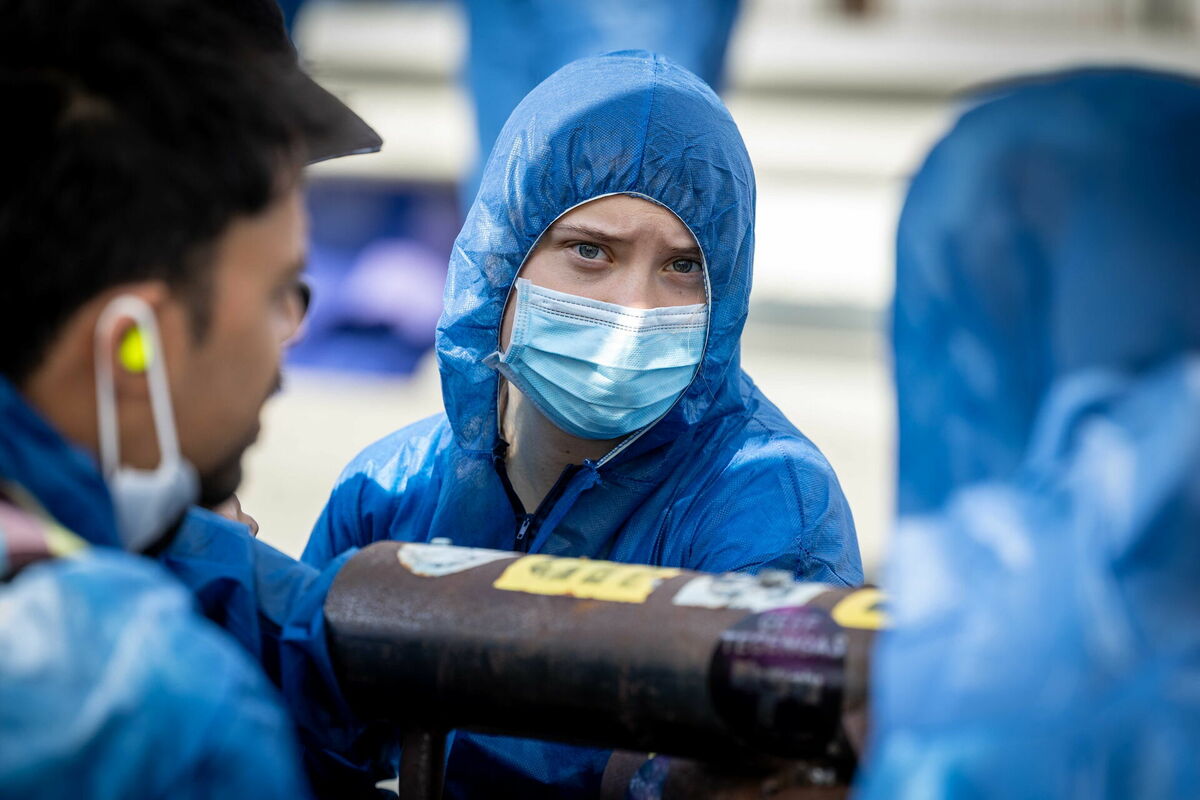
(599, 370)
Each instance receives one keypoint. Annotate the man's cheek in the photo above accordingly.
(258, 354)
(272, 369)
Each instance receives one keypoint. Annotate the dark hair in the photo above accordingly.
(135, 131)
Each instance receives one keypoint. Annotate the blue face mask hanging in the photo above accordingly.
(599, 370)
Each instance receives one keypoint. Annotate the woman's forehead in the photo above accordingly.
(625, 218)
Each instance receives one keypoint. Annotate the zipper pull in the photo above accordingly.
(522, 544)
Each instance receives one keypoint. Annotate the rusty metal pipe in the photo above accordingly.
(589, 652)
(422, 772)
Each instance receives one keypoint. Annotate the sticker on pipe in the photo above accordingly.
(749, 592)
(778, 677)
(865, 609)
(583, 578)
(438, 560)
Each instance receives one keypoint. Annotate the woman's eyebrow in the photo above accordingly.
(586, 232)
(690, 251)
(575, 229)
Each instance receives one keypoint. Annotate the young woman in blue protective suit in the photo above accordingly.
(689, 464)
(1047, 347)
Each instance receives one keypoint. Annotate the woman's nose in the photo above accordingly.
(633, 287)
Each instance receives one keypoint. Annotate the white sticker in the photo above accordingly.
(436, 560)
(753, 593)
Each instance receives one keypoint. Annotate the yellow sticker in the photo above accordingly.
(582, 577)
(862, 609)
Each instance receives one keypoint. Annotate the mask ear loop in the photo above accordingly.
(140, 351)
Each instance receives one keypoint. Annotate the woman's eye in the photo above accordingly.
(685, 266)
(588, 251)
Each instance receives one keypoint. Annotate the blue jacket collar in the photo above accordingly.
(61, 477)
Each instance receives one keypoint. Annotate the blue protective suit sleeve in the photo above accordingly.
(111, 686)
(777, 505)
(274, 606)
(338, 528)
(389, 483)
(524, 768)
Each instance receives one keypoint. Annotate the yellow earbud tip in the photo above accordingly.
(134, 353)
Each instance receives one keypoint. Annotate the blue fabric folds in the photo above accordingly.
(111, 684)
(1047, 347)
(273, 607)
(722, 482)
(135, 677)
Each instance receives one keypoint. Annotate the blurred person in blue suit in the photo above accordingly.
(152, 233)
(290, 10)
(1047, 352)
(589, 353)
(513, 45)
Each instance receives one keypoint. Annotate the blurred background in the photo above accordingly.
(838, 100)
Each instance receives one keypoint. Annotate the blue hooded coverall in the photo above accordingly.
(1047, 342)
(722, 482)
(114, 685)
(111, 685)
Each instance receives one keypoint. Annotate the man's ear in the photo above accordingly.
(131, 349)
(62, 386)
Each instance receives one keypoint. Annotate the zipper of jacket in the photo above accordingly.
(531, 523)
(523, 519)
(521, 545)
(527, 524)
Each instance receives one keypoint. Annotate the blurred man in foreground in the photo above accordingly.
(1047, 343)
(152, 232)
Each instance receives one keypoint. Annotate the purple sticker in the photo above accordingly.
(649, 782)
(777, 680)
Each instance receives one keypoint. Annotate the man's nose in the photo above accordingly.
(298, 302)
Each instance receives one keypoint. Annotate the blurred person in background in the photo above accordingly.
(1047, 351)
(153, 233)
(290, 10)
(589, 352)
(513, 45)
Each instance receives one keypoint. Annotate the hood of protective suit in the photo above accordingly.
(1048, 371)
(628, 122)
(1053, 231)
